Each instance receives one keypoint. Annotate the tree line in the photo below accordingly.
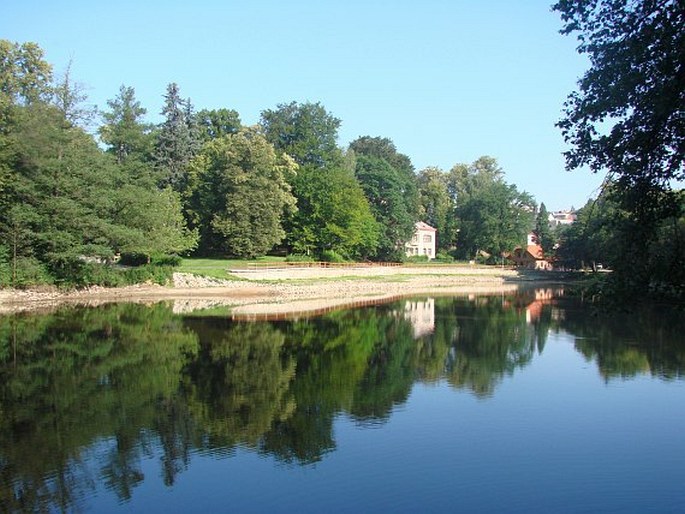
(76, 194)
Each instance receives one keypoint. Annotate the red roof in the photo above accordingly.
(535, 251)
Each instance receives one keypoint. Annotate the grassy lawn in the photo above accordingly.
(218, 268)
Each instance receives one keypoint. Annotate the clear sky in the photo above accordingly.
(446, 80)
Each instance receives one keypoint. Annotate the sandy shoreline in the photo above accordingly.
(274, 292)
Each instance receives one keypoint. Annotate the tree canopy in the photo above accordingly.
(627, 115)
(385, 188)
(306, 132)
(494, 217)
(124, 131)
(241, 193)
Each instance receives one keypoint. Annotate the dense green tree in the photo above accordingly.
(436, 205)
(216, 123)
(465, 179)
(25, 77)
(59, 179)
(177, 141)
(542, 231)
(600, 233)
(124, 131)
(384, 148)
(384, 189)
(626, 118)
(150, 222)
(63, 202)
(241, 193)
(333, 215)
(493, 216)
(594, 238)
(306, 132)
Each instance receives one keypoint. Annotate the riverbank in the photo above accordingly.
(264, 292)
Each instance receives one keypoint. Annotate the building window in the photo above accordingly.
(427, 239)
(415, 239)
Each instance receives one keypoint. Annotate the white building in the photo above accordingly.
(557, 218)
(423, 241)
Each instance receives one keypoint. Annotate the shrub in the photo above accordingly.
(417, 258)
(29, 272)
(5, 267)
(331, 256)
(166, 260)
(444, 257)
(134, 259)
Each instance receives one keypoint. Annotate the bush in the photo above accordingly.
(107, 275)
(331, 256)
(5, 267)
(29, 272)
(166, 260)
(444, 257)
(150, 273)
(134, 259)
(417, 258)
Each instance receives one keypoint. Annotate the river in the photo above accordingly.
(503, 403)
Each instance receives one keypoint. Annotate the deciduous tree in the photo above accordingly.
(216, 123)
(626, 118)
(306, 132)
(436, 205)
(384, 188)
(627, 115)
(241, 193)
(493, 216)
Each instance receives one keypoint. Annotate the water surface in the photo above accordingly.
(497, 403)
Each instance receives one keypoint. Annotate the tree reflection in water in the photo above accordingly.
(86, 394)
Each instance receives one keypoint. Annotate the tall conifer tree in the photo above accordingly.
(177, 140)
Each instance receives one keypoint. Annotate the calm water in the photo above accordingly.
(502, 404)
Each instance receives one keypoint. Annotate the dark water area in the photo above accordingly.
(508, 403)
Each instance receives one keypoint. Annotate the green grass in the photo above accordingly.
(219, 268)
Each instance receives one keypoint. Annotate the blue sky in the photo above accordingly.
(446, 80)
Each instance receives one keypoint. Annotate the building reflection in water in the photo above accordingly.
(421, 315)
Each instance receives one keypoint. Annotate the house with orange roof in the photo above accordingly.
(530, 257)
